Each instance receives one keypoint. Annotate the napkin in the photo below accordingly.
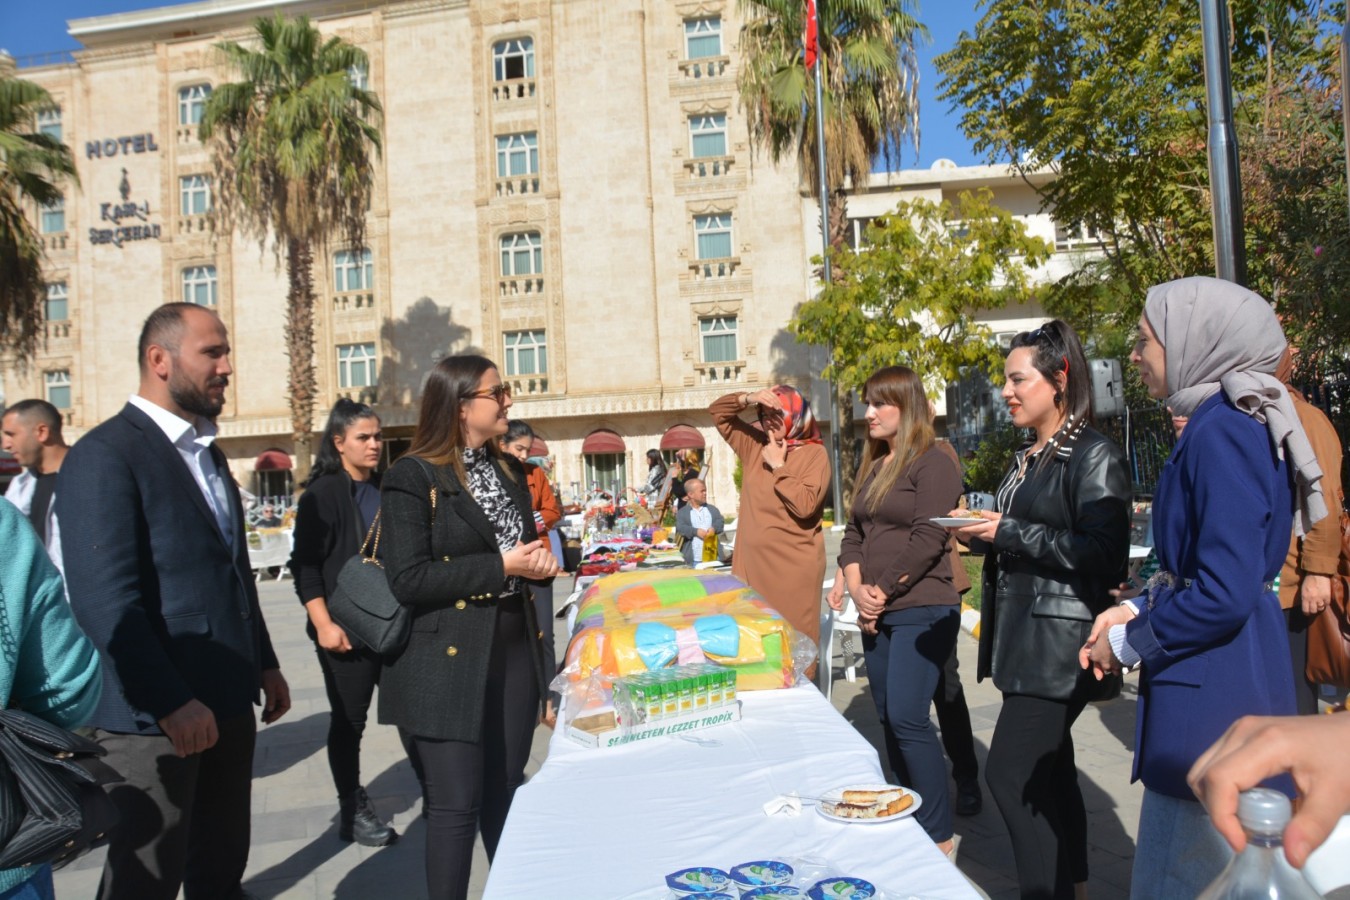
(784, 804)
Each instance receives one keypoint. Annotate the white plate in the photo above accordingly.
(837, 795)
(955, 521)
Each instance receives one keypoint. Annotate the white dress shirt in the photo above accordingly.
(193, 443)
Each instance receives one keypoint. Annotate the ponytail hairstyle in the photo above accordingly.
(1058, 353)
(345, 414)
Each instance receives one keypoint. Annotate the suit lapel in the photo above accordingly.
(166, 455)
(461, 501)
(236, 508)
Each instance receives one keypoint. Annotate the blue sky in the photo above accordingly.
(30, 28)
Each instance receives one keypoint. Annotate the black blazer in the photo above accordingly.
(449, 573)
(171, 607)
(327, 533)
(1064, 543)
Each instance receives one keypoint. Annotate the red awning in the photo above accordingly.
(682, 437)
(602, 442)
(272, 461)
(538, 448)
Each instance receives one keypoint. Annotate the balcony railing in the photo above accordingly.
(714, 269)
(709, 166)
(520, 184)
(513, 90)
(705, 67)
(58, 331)
(366, 395)
(525, 284)
(193, 223)
(188, 134)
(528, 385)
(720, 372)
(353, 300)
(55, 241)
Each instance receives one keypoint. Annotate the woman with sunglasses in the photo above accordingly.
(459, 544)
(335, 515)
(780, 551)
(1056, 543)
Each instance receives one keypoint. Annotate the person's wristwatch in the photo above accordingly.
(745, 399)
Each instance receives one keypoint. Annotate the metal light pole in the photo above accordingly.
(836, 483)
(1345, 90)
(1230, 252)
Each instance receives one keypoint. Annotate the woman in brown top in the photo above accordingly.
(785, 474)
(896, 565)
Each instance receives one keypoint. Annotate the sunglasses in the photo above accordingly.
(498, 392)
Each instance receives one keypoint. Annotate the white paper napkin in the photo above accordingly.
(784, 804)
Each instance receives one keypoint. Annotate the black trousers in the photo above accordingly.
(350, 679)
(184, 821)
(1305, 692)
(468, 786)
(954, 721)
(1033, 779)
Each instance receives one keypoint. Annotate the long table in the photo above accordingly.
(610, 823)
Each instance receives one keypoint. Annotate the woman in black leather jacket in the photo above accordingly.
(1056, 544)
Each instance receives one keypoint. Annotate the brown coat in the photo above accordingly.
(780, 551)
(1319, 550)
(544, 501)
(960, 580)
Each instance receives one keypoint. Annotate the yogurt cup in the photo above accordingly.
(760, 873)
(842, 888)
(699, 881)
(773, 892)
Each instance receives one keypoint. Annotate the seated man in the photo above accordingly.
(698, 522)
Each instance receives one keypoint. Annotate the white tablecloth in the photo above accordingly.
(611, 823)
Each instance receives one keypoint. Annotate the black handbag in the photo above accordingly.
(362, 603)
(53, 807)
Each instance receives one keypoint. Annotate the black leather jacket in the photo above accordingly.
(1059, 548)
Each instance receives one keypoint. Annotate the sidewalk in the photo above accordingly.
(296, 852)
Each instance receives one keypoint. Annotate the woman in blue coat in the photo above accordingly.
(1208, 630)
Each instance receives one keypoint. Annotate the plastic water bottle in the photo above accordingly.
(1261, 869)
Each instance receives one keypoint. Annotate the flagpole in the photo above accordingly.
(840, 514)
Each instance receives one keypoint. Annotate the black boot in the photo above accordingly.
(359, 823)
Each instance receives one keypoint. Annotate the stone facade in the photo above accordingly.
(560, 132)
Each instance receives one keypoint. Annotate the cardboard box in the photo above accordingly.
(602, 730)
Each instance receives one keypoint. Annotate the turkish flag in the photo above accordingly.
(810, 38)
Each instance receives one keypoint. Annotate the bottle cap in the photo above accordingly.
(1263, 811)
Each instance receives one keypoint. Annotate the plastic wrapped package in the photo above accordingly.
(645, 621)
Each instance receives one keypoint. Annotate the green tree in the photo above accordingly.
(909, 295)
(32, 168)
(870, 76)
(1110, 94)
(293, 144)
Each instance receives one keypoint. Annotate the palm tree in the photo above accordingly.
(293, 144)
(32, 167)
(870, 71)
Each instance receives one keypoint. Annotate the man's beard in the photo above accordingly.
(195, 400)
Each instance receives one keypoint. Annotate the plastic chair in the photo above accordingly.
(1329, 866)
(845, 623)
(272, 550)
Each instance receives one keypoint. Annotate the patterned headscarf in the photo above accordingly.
(1219, 336)
(798, 420)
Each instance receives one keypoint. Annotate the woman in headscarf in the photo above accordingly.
(780, 551)
(1208, 630)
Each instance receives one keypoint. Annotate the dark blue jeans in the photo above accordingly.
(904, 661)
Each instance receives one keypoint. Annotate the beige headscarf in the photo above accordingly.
(1220, 336)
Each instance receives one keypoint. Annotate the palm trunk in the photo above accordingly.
(843, 400)
(301, 381)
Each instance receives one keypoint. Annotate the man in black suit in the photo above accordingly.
(158, 574)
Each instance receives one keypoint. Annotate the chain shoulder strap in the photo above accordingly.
(376, 529)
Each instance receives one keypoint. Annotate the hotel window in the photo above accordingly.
(713, 234)
(58, 388)
(199, 285)
(703, 37)
(49, 122)
(353, 271)
(513, 59)
(53, 216)
(356, 365)
(58, 302)
(718, 335)
(192, 103)
(194, 195)
(526, 353)
(522, 254)
(606, 471)
(359, 75)
(517, 154)
(708, 135)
